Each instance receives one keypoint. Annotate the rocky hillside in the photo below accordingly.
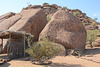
(51, 9)
(36, 18)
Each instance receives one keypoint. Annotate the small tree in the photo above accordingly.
(92, 36)
(43, 50)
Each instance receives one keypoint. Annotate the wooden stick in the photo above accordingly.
(24, 44)
(2, 45)
(10, 45)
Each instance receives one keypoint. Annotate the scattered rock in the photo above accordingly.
(91, 27)
(27, 59)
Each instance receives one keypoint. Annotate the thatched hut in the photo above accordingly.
(16, 43)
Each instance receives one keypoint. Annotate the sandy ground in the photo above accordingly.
(90, 59)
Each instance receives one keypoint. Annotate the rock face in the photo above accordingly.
(91, 27)
(67, 30)
(7, 15)
(51, 9)
(97, 43)
(7, 23)
(62, 51)
(31, 21)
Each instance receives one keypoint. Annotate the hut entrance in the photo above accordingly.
(15, 43)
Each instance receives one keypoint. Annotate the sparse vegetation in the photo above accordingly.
(83, 23)
(76, 13)
(93, 24)
(45, 3)
(48, 18)
(90, 19)
(43, 50)
(65, 7)
(92, 36)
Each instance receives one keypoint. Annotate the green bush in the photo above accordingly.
(48, 18)
(43, 50)
(92, 36)
(76, 13)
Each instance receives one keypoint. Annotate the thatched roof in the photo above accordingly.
(14, 34)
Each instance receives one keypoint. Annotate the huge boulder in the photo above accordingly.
(67, 30)
(97, 43)
(62, 49)
(32, 21)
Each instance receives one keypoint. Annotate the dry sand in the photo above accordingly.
(90, 59)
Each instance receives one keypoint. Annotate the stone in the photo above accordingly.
(67, 30)
(7, 15)
(91, 27)
(27, 59)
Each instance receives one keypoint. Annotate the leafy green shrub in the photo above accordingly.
(92, 36)
(76, 13)
(43, 50)
(48, 18)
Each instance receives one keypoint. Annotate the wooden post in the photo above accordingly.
(13, 49)
(24, 44)
(1, 46)
(8, 47)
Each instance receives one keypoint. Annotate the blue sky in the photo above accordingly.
(90, 7)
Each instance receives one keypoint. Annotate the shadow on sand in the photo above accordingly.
(5, 65)
(87, 52)
(93, 51)
(62, 65)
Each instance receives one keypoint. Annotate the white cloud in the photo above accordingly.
(96, 14)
